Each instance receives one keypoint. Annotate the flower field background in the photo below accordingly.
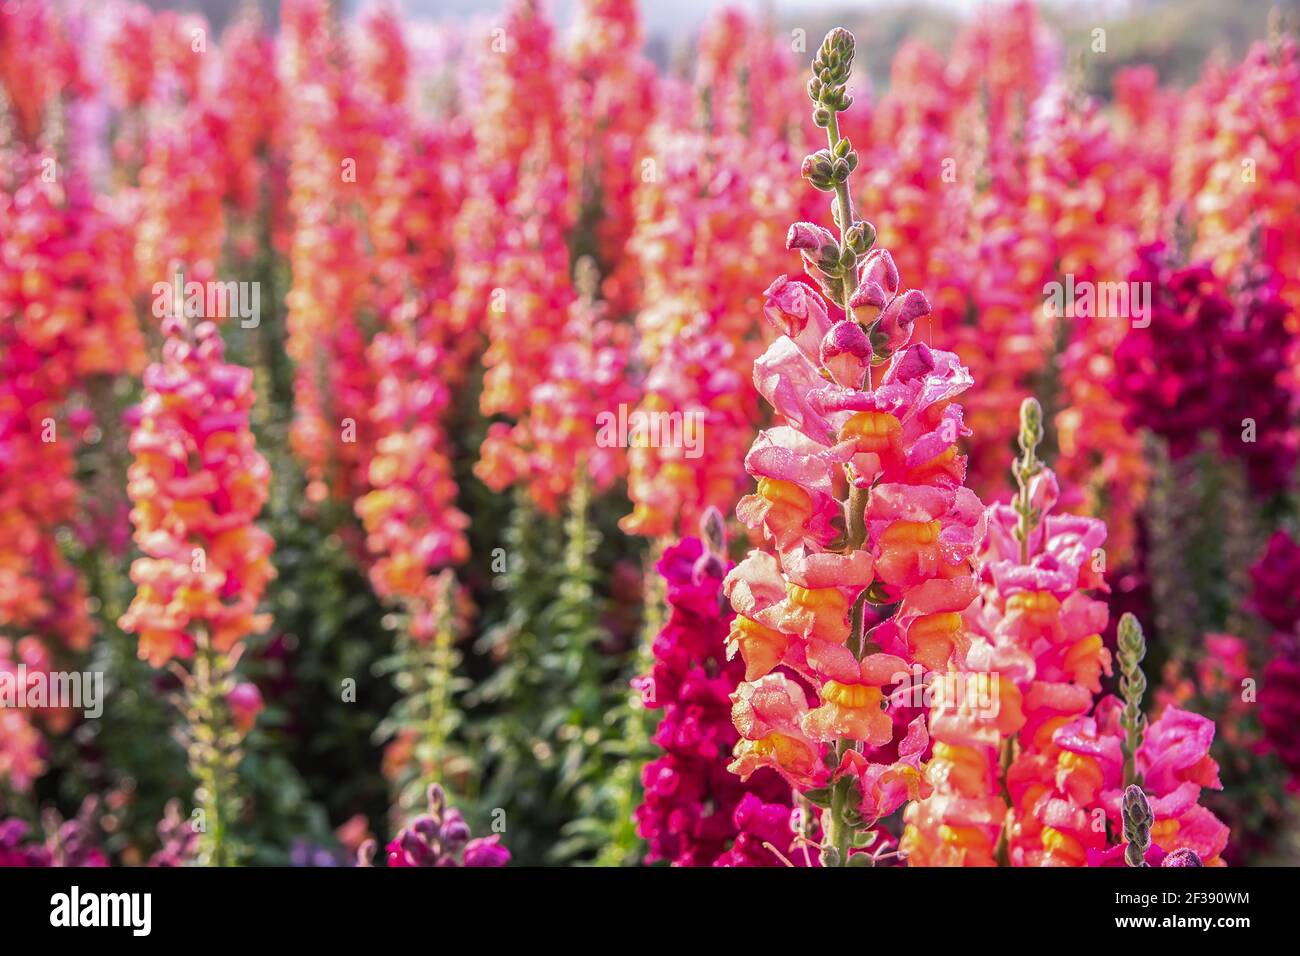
(496, 441)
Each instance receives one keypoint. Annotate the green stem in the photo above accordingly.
(838, 833)
(213, 752)
(857, 639)
(1006, 756)
(1025, 468)
(1024, 529)
(846, 219)
(440, 667)
(857, 535)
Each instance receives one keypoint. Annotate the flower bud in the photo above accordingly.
(879, 267)
(415, 849)
(821, 117)
(426, 827)
(455, 832)
(366, 853)
(836, 99)
(708, 565)
(1136, 806)
(437, 800)
(809, 236)
(1138, 818)
(819, 169)
(817, 246)
(846, 353)
(1183, 857)
(899, 318)
(841, 43)
(832, 287)
(1043, 491)
(713, 531)
(1132, 643)
(245, 702)
(861, 237)
(834, 60)
(1031, 424)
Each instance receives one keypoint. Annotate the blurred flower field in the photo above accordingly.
(477, 443)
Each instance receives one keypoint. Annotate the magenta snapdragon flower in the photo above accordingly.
(1172, 376)
(440, 837)
(695, 812)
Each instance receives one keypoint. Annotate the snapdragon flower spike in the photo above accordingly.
(1048, 618)
(63, 843)
(671, 487)
(440, 837)
(1036, 633)
(1034, 639)
(198, 484)
(1169, 383)
(815, 698)
(22, 749)
(1274, 596)
(570, 413)
(1279, 705)
(177, 838)
(695, 812)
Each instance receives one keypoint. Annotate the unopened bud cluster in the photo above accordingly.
(859, 279)
(828, 168)
(439, 837)
(1132, 647)
(1027, 467)
(830, 75)
(1138, 819)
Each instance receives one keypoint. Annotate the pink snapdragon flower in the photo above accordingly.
(1036, 648)
(1174, 764)
(894, 446)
